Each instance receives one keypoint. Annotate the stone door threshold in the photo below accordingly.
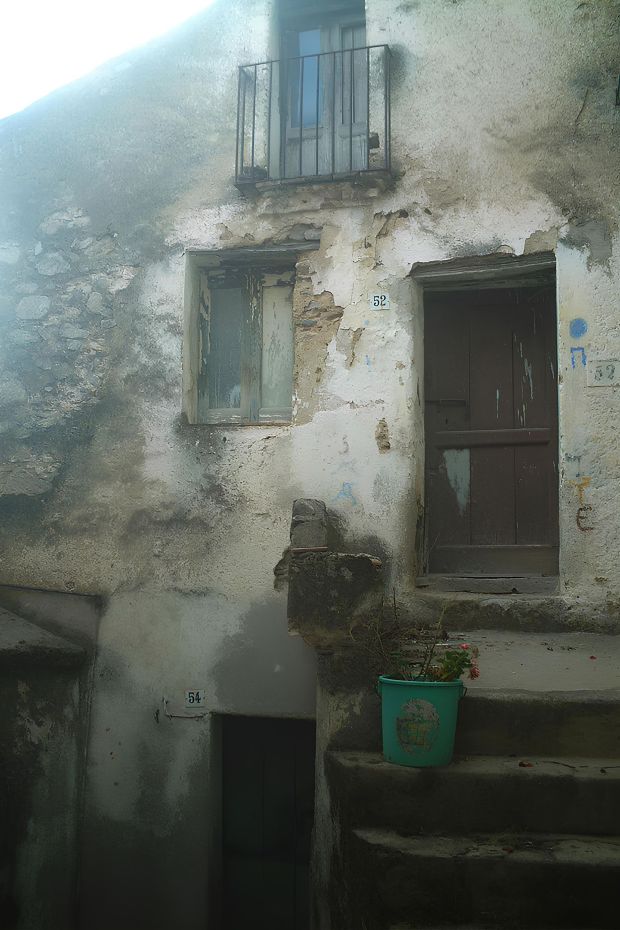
(491, 584)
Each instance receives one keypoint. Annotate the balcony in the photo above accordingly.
(322, 117)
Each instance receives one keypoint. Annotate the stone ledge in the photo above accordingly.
(518, 612)
(24, 644)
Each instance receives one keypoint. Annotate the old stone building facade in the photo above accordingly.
(433, 214)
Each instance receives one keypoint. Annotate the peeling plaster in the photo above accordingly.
(382, 436)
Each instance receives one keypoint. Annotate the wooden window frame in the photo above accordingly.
(256, 269)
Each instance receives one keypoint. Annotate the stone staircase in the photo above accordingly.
(521, 831)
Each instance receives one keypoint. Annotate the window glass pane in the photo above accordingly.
(277, 360)
(224, 354)
(353, 36)
(354, 67)
(309, 43)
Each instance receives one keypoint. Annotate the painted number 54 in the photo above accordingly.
(195, 698)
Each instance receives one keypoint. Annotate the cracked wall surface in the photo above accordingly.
(505, 140)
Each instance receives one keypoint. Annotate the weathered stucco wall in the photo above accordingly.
(505, 138)
(112, 178)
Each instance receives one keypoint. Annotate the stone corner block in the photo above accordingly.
(330, 593)
(309, 525)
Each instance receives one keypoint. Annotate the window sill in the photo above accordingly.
(240, 424)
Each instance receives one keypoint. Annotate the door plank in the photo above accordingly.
(495, 560)
(492, 496)
(454, 439)
(490, 368)
(533, 495)
(447, 408)
(268, 803)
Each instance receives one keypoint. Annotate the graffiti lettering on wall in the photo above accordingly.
(578, 352)
(583, 518)
(346, 493)
(584, 510)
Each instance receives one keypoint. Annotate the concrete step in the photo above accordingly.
(407, 925)
(498, 880)
(551, 723)
(504, 722)
(544, 662)
(480, 794)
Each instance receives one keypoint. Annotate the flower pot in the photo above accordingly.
(419, 720)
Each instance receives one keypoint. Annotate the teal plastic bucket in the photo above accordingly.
(419, 720)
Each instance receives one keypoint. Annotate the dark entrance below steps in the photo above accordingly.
(268, 806)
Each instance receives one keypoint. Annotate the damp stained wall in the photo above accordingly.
(505, 139)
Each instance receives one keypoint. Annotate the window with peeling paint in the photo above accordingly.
(245, 326)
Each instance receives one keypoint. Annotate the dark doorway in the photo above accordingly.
(268, 808)
(491, 431)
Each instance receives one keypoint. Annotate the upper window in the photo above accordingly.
(322, 109)
(241, 331)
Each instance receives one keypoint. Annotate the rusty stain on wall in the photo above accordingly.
(382, 435)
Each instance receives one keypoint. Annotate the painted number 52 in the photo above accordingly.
(380, 301)
(604, 371)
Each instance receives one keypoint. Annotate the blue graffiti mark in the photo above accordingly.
(578, 328)
(367, 360)
(575, 350)
(346, 493)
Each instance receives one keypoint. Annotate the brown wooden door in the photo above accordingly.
(491, 432)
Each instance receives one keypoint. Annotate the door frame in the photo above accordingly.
(480, 272)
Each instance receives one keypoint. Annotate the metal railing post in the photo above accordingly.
(254, 115)
(367, 108)
(269, 119)
(238, 116)
(301, 116)
(386, 68)
(333, 140)
(351, 99)
(316, 152)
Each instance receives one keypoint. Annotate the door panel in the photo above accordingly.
(490, 368)
(491, 431)
(492, 496)
(268, 803)
(325, 99)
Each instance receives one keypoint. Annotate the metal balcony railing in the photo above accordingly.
(317, 117)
